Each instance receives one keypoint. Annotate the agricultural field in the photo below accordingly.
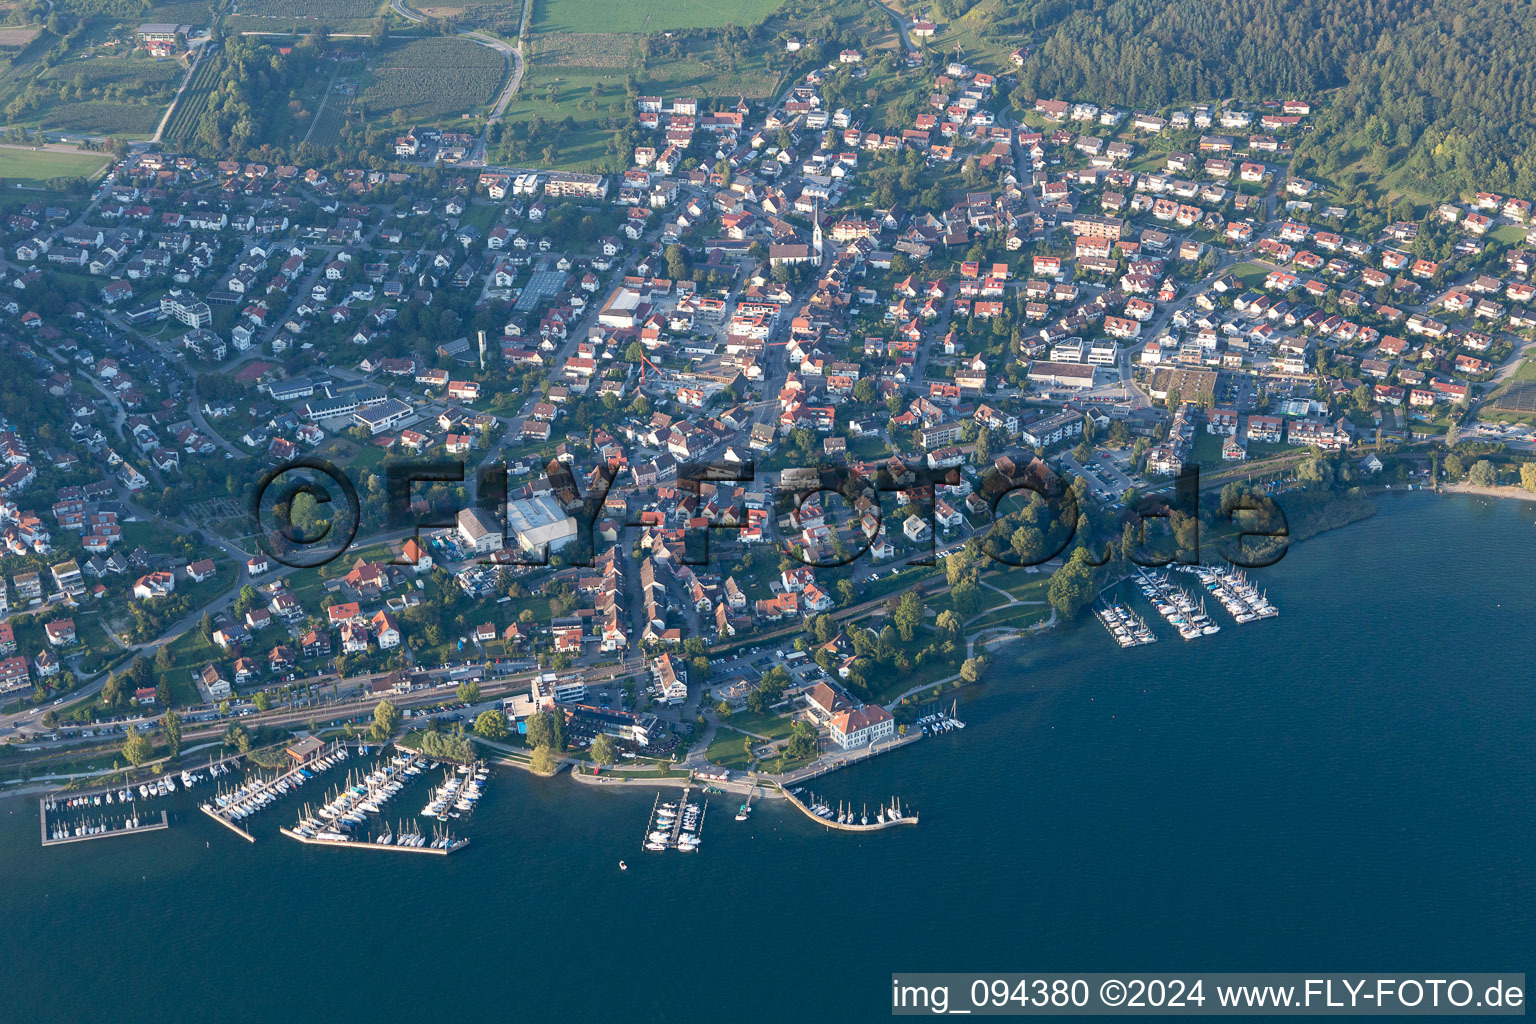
(191, 12)
(93, 118)
(15, 37)
(472, 8)
(34, 167)
(581, 52)
(433, 78)
(102, 95)
(326, 131)
(334, 10)
(643, 16)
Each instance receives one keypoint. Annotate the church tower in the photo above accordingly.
(816, 240)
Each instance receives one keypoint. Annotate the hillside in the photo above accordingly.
(1435, 91)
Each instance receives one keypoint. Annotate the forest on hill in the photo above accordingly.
(1435, 93)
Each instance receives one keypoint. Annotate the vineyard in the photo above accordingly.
(641, 16)
(103, 74)
(436, 77)
(328, 124)
(104, 118)
(335, 10)
(183, 122)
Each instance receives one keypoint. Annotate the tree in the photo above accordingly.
(540, 729)
(491, 725)
(802, 740)
(137, 748)
(1528, 476)
(544, 761)
(972, 668)
(386, 719)
(173, 733)
(1072, 587)
(948, 625)
(677, 261)
(1483, 474)
(468, 692)
(263, 701)
(967, 597)
(164, 659)
(908, 615)
(1452, 435)
(603, 750)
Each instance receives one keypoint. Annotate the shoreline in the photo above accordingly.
(1360, 509)
(1507, 491)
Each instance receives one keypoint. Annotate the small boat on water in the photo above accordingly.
(623, 866)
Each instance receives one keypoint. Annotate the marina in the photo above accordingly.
(940, 721)
(1242, 600)
(459, 793)
(232, 807)
(114, 810)
(345, 818)
(1182, 611)
(1128, 628)
(675, 825)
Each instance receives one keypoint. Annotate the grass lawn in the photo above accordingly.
(1250, 274)
(33, 168)
(728, 749)
(1026, 586)
(773, 726)
(1527, 370)
(1017, 615)
(191, 651)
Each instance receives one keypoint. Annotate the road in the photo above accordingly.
(901, 25)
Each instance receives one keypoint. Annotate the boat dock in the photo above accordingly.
(1173, 604)
(1128, 628)
(1242, 600)
(62, 835)
(888, 817)
(441, 846)
(343, 820)
(675, 826)
(231, 809)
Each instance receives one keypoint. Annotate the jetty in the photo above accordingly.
(83, 831)
(440, 845)
(887, 817)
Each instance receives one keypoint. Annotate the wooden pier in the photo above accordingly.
(163, 823)
(848, 826)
